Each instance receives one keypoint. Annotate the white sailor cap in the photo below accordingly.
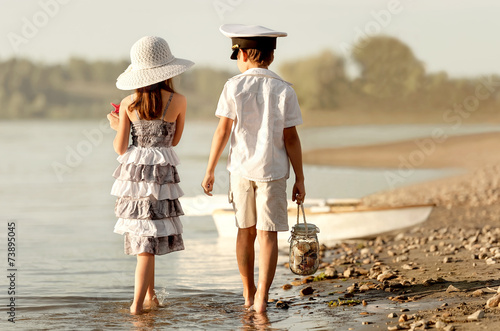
(250, 36)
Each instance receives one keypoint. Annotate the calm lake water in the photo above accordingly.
(55, 179)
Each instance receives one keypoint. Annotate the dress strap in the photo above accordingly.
(168, 104)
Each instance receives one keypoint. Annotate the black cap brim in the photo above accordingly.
(251, 42)
(234, 54)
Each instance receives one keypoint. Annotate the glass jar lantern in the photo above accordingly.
(304, 248)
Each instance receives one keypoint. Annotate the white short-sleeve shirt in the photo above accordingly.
(261, 104)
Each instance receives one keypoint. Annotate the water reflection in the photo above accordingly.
(251, 320)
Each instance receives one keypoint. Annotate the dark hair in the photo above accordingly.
(262, 57)
(149, 102)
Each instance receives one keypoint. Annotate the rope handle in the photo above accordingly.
(299, 207)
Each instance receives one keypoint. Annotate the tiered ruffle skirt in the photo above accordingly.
(148, 206)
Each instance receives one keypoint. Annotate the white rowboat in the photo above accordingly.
(340, 219)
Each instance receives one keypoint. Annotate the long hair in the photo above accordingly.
(149, 101)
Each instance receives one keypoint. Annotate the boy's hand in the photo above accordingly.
(113, 119)
(298, 192)
(208, 184)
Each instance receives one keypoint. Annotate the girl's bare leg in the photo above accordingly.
(268, 259)
(151, 301)
(143, 272)
(245, 254)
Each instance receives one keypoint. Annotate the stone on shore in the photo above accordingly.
(452, 288)
(476, 316)
(493, 301)
(386, 276)
(307, 291)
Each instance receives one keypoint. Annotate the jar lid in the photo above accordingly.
(300, 229)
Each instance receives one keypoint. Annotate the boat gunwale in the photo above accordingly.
(340, 210)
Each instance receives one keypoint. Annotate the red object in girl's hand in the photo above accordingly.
(117, 108)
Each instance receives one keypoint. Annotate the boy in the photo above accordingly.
(262, 111)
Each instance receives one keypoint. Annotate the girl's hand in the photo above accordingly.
(113, 119)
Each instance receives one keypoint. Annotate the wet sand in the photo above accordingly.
(439, 274)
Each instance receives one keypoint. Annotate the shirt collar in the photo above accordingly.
(261, 72)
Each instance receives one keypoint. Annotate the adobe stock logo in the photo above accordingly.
(31, 26)
(222, 7)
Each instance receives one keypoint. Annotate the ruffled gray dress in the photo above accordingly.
(148, 192)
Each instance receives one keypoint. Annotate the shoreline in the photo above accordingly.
(422, 278)
(443, 271)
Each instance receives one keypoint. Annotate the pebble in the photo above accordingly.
(422, 324)
(307, 291)
(449, 328)
(330, 272)
(409, 267)
(493, 301)
(282, 305)
(440, 325)
(403, 318)
(452, 288)
(364, 288)
(476, 316)
(392, 315)
(308, 279)
(287, 286)
(491, 261)
(386, 276)
(478, 293)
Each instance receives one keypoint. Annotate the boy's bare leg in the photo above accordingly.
(268, 259)
(150, 299)
(143, 271)
(245, 254)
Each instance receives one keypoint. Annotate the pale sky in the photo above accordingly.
(458, 36)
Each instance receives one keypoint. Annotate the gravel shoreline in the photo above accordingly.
(425, 277)
(442, 274)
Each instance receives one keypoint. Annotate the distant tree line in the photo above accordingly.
(390, 77)
(81, 89)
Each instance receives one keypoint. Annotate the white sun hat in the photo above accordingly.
(151, 62)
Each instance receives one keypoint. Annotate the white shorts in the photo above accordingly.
(262, 204)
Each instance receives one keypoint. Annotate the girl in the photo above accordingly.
(146, 183)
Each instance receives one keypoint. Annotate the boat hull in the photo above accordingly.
(342, 224)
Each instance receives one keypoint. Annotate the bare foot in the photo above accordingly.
(136, 310)
(150, 303)
(249, 297)
(260, 303)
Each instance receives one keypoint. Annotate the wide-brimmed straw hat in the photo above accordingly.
(151, 62)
